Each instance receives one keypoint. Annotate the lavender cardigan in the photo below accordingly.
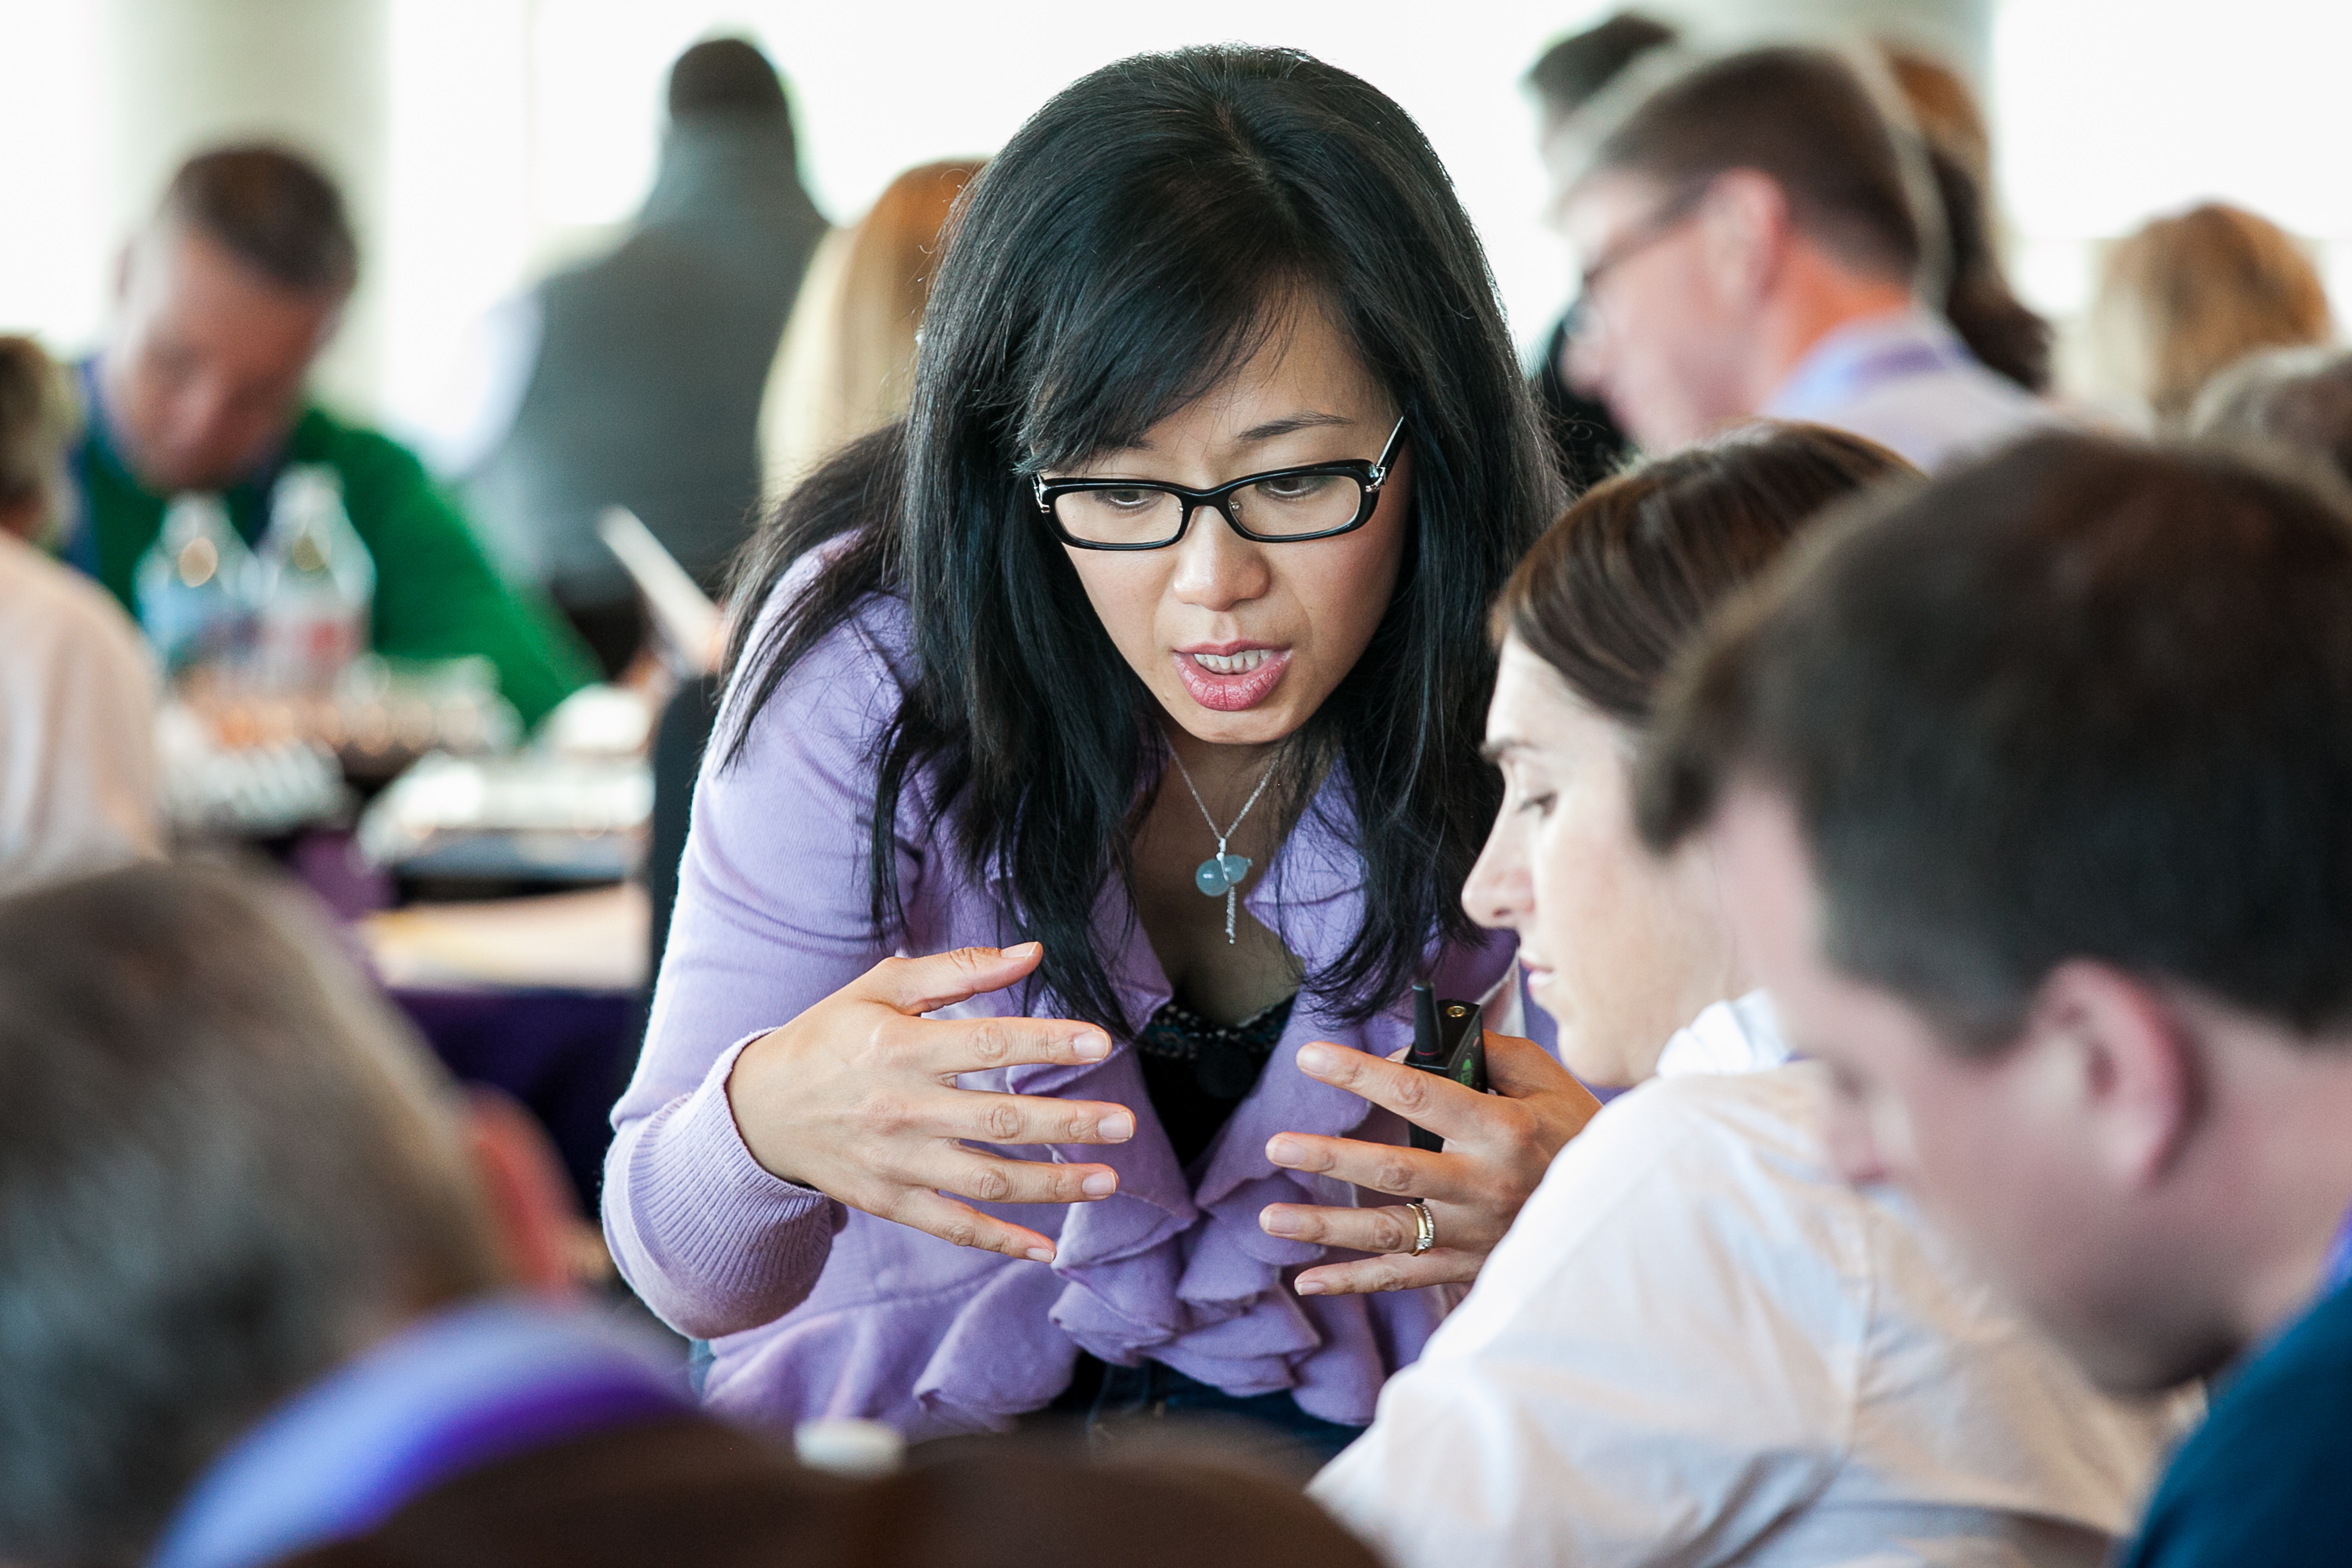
(813, 1309)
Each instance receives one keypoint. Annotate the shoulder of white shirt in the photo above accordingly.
(38, 595)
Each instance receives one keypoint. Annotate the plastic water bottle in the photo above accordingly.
(197, 587)
(317, 582)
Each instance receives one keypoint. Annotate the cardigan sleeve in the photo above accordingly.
(773, 914)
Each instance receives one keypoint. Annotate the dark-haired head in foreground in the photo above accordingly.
(2033, 802)
(2030, 793)
(223, 1171)
(253, 1244)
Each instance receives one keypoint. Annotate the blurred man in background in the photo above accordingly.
(1586, 444)
(635, 379)
(223, 301)
(1756, 238)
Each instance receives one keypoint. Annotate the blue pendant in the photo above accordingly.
(1219, 873)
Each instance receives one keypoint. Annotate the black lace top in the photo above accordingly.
(1197, 1071)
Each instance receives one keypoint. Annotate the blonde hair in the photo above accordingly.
(39, 415)
(2185, 296)
(847, 364)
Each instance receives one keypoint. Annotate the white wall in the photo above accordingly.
(2112, 111)
(484, 138)
(487, 182)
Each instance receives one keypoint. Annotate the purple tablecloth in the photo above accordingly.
(564, 1054)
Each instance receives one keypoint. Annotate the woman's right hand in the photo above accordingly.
(857, 1099)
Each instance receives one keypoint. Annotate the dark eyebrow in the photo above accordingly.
(1267, 431)
(1274, 428)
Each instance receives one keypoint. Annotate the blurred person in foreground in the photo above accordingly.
(1757, 239)
(2073, 934)
(1698, 1344)
(223, 302)
(1564, 82)
(2182, 298)
(77, 771)
(847, 365)
(635, 378)
(274, 1294)
(2295, 400)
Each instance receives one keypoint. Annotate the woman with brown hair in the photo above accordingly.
(1697, 1344)
(2183, 297)
(847, 364)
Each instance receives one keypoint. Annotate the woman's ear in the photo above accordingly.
(539, 1224)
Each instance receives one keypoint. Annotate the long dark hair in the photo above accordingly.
(2007, 336)
(1132, 245)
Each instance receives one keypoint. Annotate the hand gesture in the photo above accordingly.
(1497, 1147)
(857, 1099)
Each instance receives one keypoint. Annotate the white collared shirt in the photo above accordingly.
(1907, 381)
(1699, 1345)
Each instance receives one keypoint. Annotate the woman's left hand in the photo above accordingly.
(1497, 1147)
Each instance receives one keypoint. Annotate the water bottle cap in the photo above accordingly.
(848, 1446)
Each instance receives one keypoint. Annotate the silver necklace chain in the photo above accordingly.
(1231, 880)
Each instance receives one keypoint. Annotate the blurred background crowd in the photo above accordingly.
(393, 384)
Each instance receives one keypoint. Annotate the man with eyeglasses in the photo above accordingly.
(1752, 245)
(1571, 84)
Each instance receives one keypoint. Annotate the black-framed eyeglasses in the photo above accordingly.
(1282, 506)
(1671, 214)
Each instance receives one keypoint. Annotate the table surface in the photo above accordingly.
(593, 941)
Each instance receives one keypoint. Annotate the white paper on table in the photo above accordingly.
(591, 940)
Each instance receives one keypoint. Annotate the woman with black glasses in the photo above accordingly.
(1134, 686)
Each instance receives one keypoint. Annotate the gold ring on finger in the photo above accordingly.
(1425, 1226)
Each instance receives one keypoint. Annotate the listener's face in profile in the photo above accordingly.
(1619, 947)
(204, 369)
(1241, 641)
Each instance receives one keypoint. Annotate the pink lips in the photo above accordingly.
(1231, 693)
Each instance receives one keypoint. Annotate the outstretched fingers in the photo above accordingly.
(1391, 1168)
(1018, 1118)
(1443, 1106)
(948, 1047)
(988, 1178)
(964, 1226)
(935, 979)
(1368, 1276)
(1389, 1228)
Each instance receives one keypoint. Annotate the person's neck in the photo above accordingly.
(2279, 1166)
(1813, 297)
